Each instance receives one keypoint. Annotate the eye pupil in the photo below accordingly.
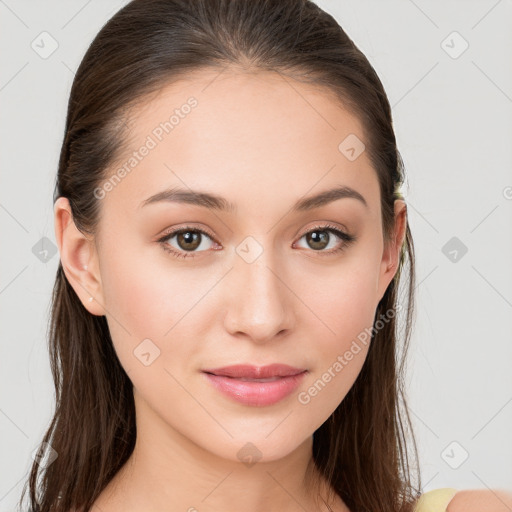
(188, 237)
(318, 241)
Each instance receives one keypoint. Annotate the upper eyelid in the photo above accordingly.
(171, 232)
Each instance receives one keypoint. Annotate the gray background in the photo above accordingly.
(451, 112)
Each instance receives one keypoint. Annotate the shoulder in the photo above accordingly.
(481, 500)
(435, 500)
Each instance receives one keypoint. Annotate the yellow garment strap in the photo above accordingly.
(436, 500)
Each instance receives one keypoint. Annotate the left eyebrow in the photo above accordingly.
(215, 202)
(326, 197)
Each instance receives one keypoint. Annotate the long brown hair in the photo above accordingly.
(362, 448)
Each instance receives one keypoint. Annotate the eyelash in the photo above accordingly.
(347, 239)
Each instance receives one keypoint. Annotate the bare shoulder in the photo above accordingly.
(481, 500)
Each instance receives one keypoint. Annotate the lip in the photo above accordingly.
(249, 371)
(256, 392)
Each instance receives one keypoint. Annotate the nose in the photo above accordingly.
(260, 304)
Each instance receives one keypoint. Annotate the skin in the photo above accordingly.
(481, 500)
(261, 144)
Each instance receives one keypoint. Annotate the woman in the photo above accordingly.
(232, 235)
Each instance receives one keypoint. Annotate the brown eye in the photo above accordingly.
(188, 241)
(317, 239)
(327, 237)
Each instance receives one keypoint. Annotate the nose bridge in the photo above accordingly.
(259, 305)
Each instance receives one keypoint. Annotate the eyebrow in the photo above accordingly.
(215, 202)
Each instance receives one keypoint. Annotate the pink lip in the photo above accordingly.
(256, 372)
(256, 393)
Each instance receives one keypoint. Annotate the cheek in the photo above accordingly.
(340, 303)
(344, 310)
(153, 301)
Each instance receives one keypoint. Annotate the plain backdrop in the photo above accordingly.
(446, 66)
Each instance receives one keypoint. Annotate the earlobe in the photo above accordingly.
(78, 257)
(392, 250)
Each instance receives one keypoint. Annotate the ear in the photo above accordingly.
(392, 249)
(78, 257)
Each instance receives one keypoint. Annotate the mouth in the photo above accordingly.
(244, 379)
(255, 391)
(256, 373)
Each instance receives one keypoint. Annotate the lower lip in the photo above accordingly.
(256, 393)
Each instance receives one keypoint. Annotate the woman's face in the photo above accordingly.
(246, 284)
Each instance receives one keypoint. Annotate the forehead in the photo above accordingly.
(254, 138)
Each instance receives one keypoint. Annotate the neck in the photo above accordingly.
(168, 471)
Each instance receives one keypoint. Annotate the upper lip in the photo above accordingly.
(256, 372)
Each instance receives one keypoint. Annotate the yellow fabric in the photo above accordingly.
(436, 500)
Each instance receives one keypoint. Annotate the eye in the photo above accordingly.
(324, 237)
(188, 240)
